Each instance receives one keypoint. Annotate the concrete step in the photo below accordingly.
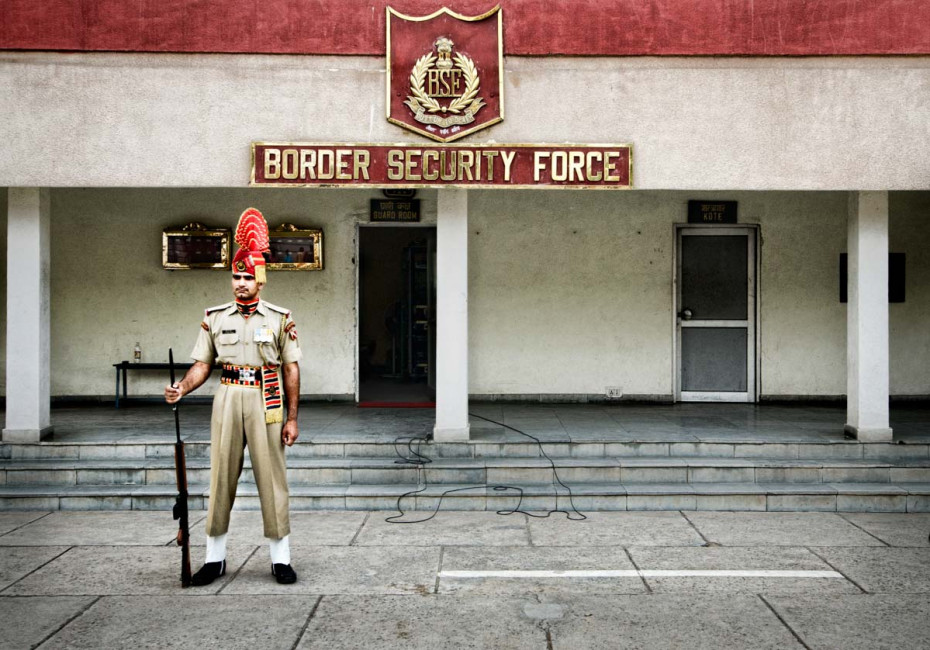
(832, 497)
(485, 471)
(366, 446)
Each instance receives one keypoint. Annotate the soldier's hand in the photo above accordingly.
(173, 393)
(289, 433)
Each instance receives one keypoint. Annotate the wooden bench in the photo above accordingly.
(123, 368)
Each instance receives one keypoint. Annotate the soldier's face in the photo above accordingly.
(244, 287)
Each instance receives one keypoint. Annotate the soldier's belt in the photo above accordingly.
(242, 375)
(264, 377)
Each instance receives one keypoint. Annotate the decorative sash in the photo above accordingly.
(271, 389)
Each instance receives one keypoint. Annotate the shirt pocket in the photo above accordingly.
(224, 340)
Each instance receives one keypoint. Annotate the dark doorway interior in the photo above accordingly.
(396, 316)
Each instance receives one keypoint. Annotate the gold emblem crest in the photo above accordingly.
(440, 76)
(445, 72)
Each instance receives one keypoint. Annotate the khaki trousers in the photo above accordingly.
(239, 419)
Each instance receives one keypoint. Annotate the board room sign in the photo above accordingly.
(480, 166)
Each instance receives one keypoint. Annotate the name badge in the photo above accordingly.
(264, 335)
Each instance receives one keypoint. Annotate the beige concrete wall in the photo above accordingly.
(109, 290)
(909, 233)
(98, 119)
(570, 292)
(803, 323)
(3, 236)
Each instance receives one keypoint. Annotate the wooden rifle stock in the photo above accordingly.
(180, 506)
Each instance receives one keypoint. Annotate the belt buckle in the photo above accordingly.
(246, 374)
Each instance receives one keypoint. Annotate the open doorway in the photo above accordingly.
(396, 316)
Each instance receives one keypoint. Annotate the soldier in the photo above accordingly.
(257, 344)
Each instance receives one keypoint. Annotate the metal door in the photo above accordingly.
(715, 305)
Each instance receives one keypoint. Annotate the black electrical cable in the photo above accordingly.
(416, 458)
(555, 474)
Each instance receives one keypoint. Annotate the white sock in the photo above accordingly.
(216, 548)
(280, 550)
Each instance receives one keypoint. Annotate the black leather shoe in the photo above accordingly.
(208, 573)
(284, 574)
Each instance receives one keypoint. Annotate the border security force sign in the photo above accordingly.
(445, 80)
(445, 72)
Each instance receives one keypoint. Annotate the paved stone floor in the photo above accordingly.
(335, 422)
(474, 580)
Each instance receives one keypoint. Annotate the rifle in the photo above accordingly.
(180, 506)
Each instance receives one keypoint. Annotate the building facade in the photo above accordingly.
(815, 121)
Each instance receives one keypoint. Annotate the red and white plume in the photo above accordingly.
(252, 237)
(252, 232)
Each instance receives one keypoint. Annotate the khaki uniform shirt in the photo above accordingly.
(266, 338)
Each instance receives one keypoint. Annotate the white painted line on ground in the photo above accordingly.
(646, 573)
(723, 573)
(540, 574)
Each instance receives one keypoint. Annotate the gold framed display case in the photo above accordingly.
(195, 246)
(294, 248)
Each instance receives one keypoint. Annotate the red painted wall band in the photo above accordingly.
(531, 28)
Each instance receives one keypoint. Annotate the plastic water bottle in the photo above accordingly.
(137, 353)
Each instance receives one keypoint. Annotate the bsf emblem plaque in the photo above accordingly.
(445, 72)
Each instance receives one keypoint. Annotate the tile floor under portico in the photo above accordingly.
(322, 422)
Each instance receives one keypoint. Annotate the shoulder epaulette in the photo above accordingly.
(225, 305)
(280, 310)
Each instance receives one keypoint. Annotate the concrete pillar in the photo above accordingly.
(27, 310)
(867, 318)
(452, 317)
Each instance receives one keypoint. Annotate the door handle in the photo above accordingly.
(685, 314)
